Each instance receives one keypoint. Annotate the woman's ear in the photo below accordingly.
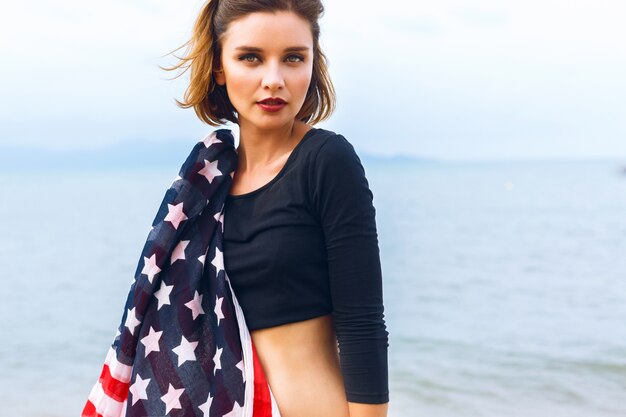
(219, 76)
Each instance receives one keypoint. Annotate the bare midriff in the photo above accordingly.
(301, 364)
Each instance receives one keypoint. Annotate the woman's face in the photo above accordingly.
(267, 55)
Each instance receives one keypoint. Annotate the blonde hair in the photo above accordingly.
(210, 100)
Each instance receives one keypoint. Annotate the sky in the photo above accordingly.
(458, 80)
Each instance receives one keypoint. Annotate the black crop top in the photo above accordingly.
(304, 245)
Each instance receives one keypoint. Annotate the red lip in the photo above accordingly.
(273, 100)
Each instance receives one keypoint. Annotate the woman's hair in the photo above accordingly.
(209, 99)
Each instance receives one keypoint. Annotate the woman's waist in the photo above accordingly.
(301, 363)
(299, 345)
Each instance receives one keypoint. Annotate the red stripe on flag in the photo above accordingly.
(90, 410)
(262, 406)
(112, 387)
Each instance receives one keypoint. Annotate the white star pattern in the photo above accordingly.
(218, 309)
(210, 171)
(179, 251)
(179, 234)
(210, 139)
(217, 360)
(178, 177)
(218, 260)
(138, 389)
(240, 367)
(206, 406)
(237, 411)
(131, 321)
(175, 214)
(163, 294)
(185, 351)
(172, 398)
(195, 305)
(150, 267)
(151, 342)
(219, 217)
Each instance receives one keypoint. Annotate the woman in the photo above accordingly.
(300, 240)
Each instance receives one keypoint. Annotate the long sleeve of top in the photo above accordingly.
(344, 202)
(305, 245)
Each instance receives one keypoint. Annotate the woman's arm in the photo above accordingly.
(368, 410)
(344, 203)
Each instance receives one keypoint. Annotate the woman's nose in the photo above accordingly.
(273, 77)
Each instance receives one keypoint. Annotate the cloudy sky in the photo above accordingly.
(447, 79)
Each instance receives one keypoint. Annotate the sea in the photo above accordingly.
(504, 283)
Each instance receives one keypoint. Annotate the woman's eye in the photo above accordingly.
(253, 58)
(297, 58)
(247, 58)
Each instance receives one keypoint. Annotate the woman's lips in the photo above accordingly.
(271, 106)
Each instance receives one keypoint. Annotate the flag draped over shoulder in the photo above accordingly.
(183, 348)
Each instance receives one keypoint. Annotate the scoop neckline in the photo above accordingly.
(280, 173)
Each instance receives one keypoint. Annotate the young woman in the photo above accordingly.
(300, 239)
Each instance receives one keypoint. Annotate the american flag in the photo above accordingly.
(182, 348)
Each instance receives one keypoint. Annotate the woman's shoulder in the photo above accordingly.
(335, 169)
(333, 162)
(328, 146)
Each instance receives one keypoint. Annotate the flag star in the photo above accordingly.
(210, 170)
(179, 251)
(151, 342)
(218, 260)
(131, 320)
(240, 367)
(237, 411)
(138, 389)
(217, 360)
(178, 177)
(210, 139)
(206, 406)
(219, 217)
(150, 267)
(218, 309)
(172, 398)
(195, 305)
(175, 214)
(185, 351)
(163, 295)
(201, 259)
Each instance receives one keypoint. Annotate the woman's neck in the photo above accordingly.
(260, 148)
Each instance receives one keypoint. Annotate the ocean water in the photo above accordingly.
(505, 284)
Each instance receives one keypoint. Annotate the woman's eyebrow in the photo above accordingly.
(289, 49)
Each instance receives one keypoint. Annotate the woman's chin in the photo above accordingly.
(270, 122)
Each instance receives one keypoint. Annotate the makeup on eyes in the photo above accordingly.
(245, 57)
